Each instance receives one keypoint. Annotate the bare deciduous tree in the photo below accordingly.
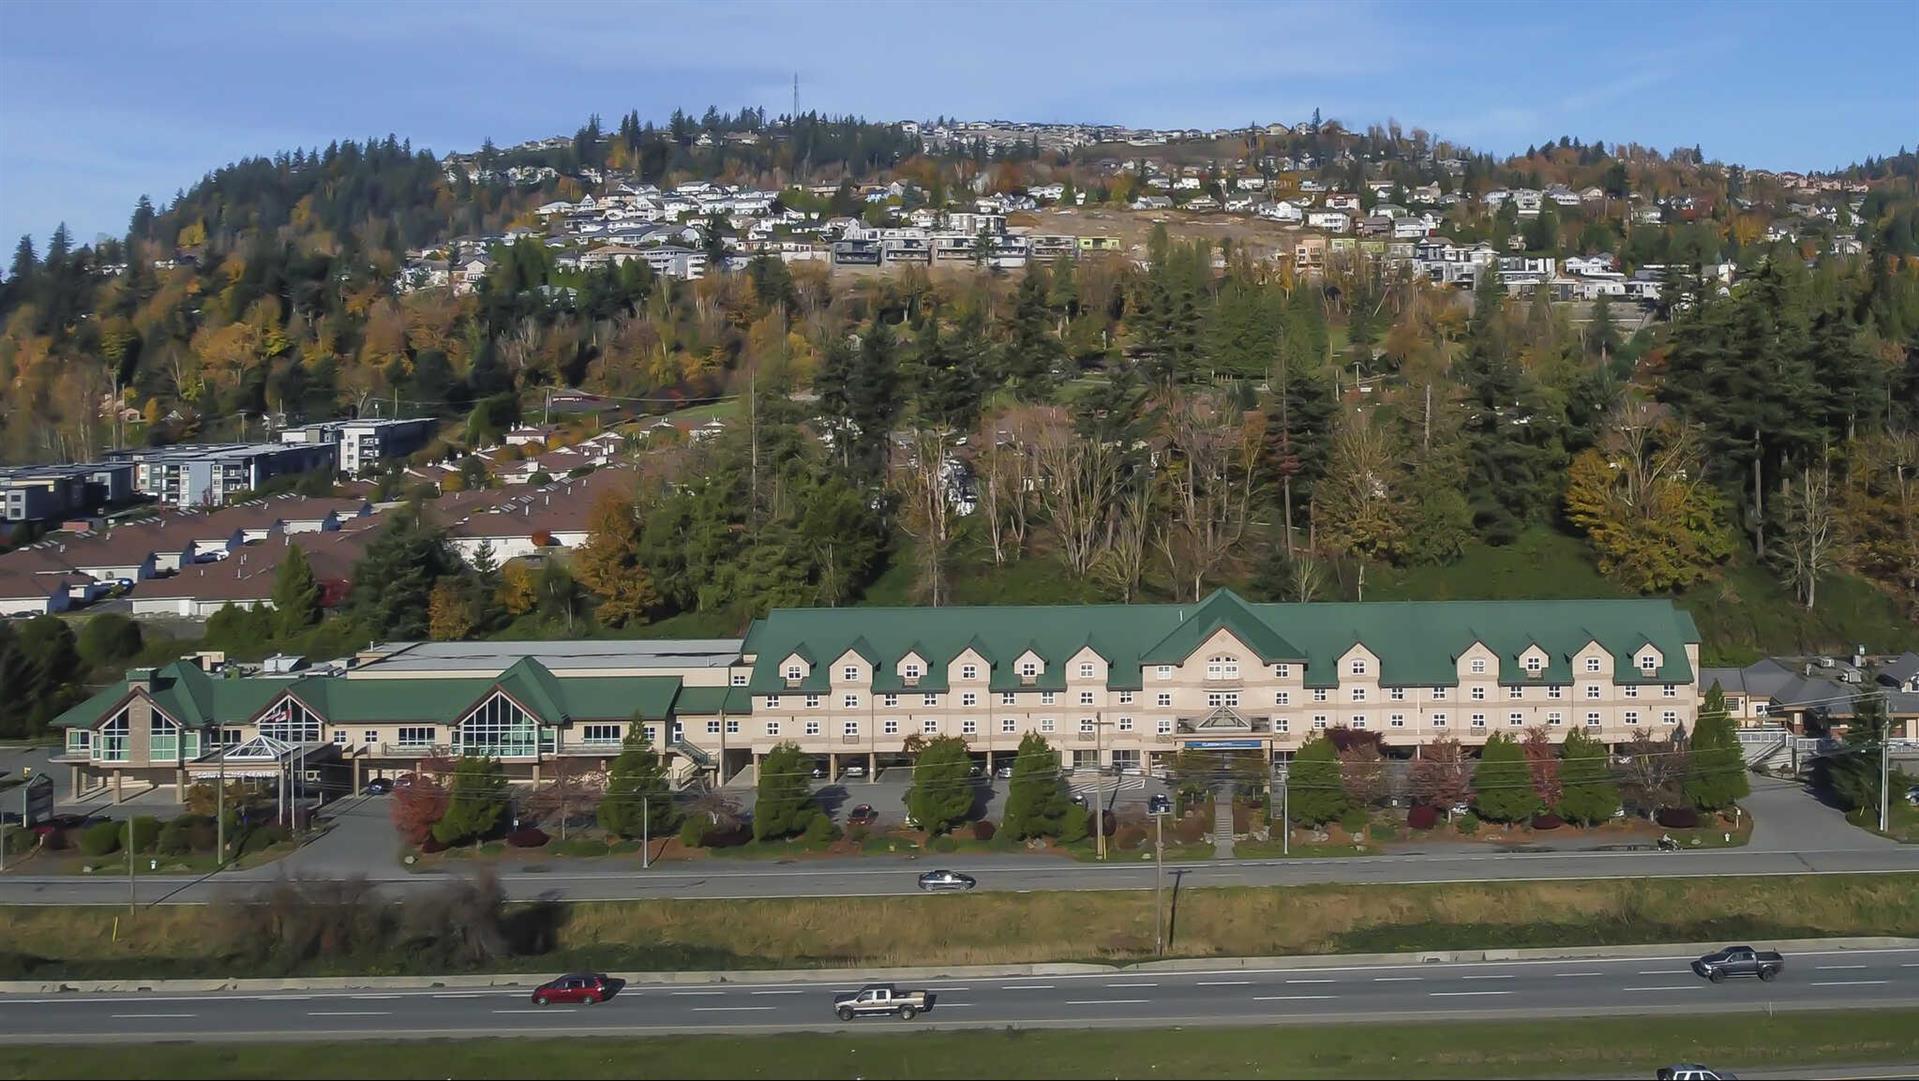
(921, 475)
(1078, 480)
(1211, 456)
(1804, 550)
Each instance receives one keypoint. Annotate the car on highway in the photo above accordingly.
(879, 999)
(1739, 961)
(863, 815)
(582, 988)
(941, 881)
(1692, 1071)
(378, 786)
(1158, 804)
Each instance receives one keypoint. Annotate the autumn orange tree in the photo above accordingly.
(416, 807)
(1643, 499)
(609, 563)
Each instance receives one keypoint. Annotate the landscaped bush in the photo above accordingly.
(1190, 830)
(1353, 821)
(55, 840)
(1677, 818)
(100, 839)
(146, 832)
(858, 834)
(820, 830)
(1468, 823)
(1547, 822)
(944, 843)
(1424, 816)
(432, 844)
(262, 838)
(693, 831)
(983, 830)
(1382, 831)
(173, 838)
(527, 837)
(1129, 837)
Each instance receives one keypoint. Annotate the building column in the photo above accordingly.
(989, 761)
(756, 766)
(119, 786)
(180, 786)
(872, 767)
(832, 767)
(73, 782)
(358, 762)
(536, 773)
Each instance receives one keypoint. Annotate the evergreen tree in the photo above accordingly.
(783, 804)
(1716, 769)
(1314, 791)
(1502, 783)
(1587, 794)
(1037, 804)
(1512, 433)
(296, 596)
(393, 581)
(1033, 354)
(941, 795)
(476, 801)
(639, 796)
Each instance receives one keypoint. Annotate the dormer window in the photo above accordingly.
(1029, 669)
(1534, 665)
(1479, 666)
(969, 671)
(850, 673)
(794, 673)
(910, 672)
(1086, 669)
(1357, 667)
(1592, 664)
(1648, 662)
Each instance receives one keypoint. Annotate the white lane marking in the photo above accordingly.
(543, 1010)
(1847, 983)
(1105, 1001)
(1824, 968)
(1312, 981)
(1569, 975)
(1289, 998)
(1224, 983)
(1026, 987)
(362, 997)
(956, 1005)
(938, 987)
(473, 994)
(779, 992)
(349, 1013)
(1489, 977)
(1132, 985)
(1397, 979)
(728, 1009)
(1666, 987)
(1463, 994)
(149, 1016)
(1666, 971)
(699, 992)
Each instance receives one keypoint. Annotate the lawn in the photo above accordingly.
(1589, 1047)
(1006, 928)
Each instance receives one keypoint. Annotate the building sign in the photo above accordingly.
(1223, 744)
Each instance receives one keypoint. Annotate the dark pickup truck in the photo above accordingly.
(1739, 961)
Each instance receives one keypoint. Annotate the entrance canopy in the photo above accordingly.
(262, 756)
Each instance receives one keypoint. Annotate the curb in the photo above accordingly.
(933, 972)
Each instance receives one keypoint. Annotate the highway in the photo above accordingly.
(873, 875)
(1570, 987)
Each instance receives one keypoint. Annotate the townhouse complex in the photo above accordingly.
(1120, 687)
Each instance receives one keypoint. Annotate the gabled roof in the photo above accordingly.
(530, 684)
(1224, 610)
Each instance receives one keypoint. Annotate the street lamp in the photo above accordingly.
(1159, 881)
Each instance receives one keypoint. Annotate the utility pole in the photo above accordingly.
(1099, 791)
(1885, 776)
(1159, 884)
(130, 889)
(220, 800)
(646, 833)
(1285, 817)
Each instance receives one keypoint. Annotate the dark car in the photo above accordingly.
(378, 786)
(862, 815)
(1158, 804)
(933, 881)
(1739, 961)
(584, 988)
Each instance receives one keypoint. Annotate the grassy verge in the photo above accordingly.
(984, 928)
(1588, 1048)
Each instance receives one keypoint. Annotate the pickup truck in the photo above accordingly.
(881, 998)
(1739, 961)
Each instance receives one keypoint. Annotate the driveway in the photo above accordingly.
(1788, 816)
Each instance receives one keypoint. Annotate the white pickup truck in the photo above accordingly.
(881, 998)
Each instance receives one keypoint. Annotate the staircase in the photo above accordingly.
(1223, 823)
(1760, 744)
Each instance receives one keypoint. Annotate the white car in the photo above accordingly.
(852, 771)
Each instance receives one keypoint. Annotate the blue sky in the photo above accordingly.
(100, 102)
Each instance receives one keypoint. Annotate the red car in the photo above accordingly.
(584, 988)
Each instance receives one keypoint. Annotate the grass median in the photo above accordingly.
(1566, 1048)
(370, 936)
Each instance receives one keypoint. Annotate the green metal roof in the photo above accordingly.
(1417, 641)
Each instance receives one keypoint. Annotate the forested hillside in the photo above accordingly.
(1127, 429)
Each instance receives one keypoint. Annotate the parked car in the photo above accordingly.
(1739, 961)
(877, 999)
(862, 815)
(938, 881)
(1158, 804)
(378, 786)
(1912, 795)
(852, 771)
(1692, 1071)
(584, 988)
(819, 772)
(1002, 772)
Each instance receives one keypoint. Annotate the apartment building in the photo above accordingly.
(363, 444)
(39, 493)
(211, 474)
(1120, 687)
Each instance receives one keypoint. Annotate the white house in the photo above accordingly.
(1333, 221)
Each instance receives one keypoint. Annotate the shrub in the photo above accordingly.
(1677, 818)
(55, 840)
(432, 844)
(1129, 837)
(1353, 821)
(173, 837)
(1468, 823)
(693, 831)
(100, 839)
(983, 830)
(1382, 831)
(944, 843)
(820, 830)
(1077, 826)
(146, 832)
(1423, 816)
(858, 834)
(263, 838)
(1547, 822)
(1190, 831)
(527, 837)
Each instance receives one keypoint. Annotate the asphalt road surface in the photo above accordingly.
(723, 878)
(1580, 987)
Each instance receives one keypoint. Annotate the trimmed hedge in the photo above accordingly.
(100, 839)
(1677, 818)
(1468, 823)
(1547, 822)
(527, 837)
(1423, 817)
(983, 830)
